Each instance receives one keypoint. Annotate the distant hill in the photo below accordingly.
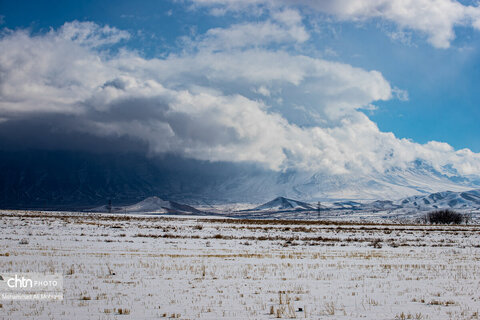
(465, 200)
(281, 203)
(151, 205)
(447, 199)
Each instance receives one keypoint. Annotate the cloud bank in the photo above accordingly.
(436, 19)
(228, 96)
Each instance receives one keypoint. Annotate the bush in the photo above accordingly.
(446, 216)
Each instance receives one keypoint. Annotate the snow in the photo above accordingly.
(196, 268)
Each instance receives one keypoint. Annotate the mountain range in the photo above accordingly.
(80, 180)
(467, 200)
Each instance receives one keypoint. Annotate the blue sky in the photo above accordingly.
(432, 75)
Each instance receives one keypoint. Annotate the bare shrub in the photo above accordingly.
(446, 216)
(71, 270)
(376, 243)
(124, 311)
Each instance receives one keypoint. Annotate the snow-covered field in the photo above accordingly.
(149, 267)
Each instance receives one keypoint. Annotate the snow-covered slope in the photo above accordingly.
(281, 203)
(380, 205)
(418, 179)
(346, 204)
(447, 199)
(464, 200)
(396, 183)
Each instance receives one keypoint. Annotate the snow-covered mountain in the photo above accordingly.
(447, 199)
(418, 179)
(285, 208)
(464, 200)
(281, 203)
(395, 183)
(151, 205)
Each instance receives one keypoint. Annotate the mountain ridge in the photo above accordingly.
(464, 200)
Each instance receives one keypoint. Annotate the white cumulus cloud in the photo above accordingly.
(436, 19)
(217, 105)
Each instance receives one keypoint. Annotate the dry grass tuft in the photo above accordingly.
(123, 311)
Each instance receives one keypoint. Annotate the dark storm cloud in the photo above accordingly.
(62, 132)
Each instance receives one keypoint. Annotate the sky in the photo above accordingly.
(338, 86)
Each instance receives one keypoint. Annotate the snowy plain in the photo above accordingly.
(150, 267)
